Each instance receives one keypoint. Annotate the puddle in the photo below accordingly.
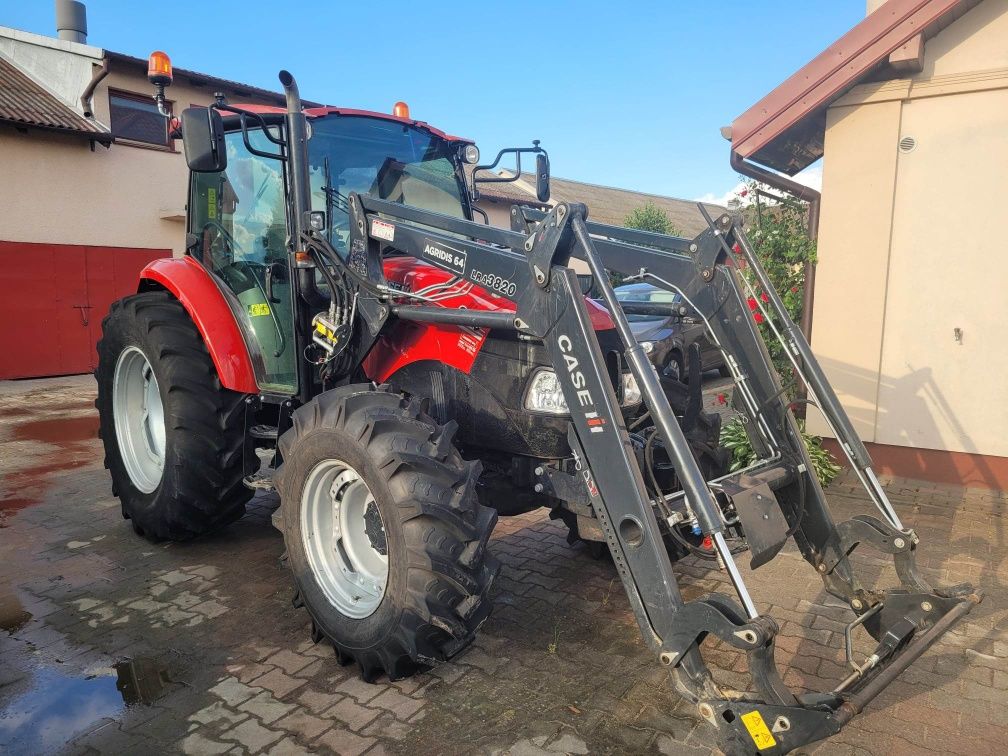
(12, 615)
(26, 487)
(58, 430)
(57, 707)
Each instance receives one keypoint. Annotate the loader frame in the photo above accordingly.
(775, 500)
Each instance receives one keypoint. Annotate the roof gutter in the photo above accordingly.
(799, 191)
(86, 96)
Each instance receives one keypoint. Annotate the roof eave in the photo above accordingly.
(786, 128)
(103, 137)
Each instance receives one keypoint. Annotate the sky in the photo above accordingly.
(626, 94)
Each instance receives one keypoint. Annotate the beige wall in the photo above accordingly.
(57, 190)
(908, 247)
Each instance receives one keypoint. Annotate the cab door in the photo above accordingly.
(239, 218)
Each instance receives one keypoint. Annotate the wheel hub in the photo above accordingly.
(138, 414)
(344, 538)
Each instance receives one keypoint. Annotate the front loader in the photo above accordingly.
(342, 330)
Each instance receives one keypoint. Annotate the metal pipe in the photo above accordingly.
(300, 207)
(734, 575)
(297, 152)
(451, 316)
(88, 93)
(807, 194)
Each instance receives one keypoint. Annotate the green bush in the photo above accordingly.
(650, 217)
(735, 439)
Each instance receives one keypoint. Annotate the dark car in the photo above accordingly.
(667, 337)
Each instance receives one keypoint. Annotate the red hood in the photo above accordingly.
(419, 277)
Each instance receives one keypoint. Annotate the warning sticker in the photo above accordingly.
(260, 308)
(758, 730)
(382, 230)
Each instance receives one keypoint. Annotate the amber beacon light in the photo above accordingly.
(159, 73)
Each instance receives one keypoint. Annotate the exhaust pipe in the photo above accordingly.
(297, 155)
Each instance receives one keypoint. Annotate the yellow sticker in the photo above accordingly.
(758, 730)
(260, 308)
(211, 203)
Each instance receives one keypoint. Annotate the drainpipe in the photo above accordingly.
(800, 191)
(88, 93)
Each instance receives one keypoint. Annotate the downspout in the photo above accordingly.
(85, 100)
(807, 194)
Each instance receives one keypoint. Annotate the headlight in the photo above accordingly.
(648, 346)
(545, 395)
(470, 153)
(631, 394)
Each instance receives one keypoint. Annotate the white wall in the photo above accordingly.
(909, 247)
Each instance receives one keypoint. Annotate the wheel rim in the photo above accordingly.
(139, 419)
(344, 537)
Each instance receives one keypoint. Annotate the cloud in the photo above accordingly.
(722, 199)
(811, 177)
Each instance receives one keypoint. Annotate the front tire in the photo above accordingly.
(384, 534)
(173, 435)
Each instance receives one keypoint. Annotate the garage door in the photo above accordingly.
(52, 301)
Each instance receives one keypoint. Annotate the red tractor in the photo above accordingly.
(341, 330)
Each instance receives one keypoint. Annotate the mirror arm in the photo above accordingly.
(243, 115)
(517, 151)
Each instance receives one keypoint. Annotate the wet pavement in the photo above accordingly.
(111, 644)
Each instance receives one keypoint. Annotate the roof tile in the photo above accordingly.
(26, 103)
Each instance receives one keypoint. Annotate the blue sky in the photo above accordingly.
(621, 93)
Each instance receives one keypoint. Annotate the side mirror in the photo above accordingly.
(203, 140)
(542, 177)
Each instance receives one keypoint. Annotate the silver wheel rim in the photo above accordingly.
(139, 419)
(344, 537)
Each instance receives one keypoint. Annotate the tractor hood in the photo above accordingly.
(418, 277)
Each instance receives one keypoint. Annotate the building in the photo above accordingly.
(909, 112)
(606, 204)
(93, 189)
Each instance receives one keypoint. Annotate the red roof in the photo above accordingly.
(324, 110)
(785, 129)
(24, 103)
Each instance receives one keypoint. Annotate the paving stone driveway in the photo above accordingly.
(112, 644)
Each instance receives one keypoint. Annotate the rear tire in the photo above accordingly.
(199, 489)
(432, 531)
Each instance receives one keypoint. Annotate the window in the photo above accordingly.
(384, 159)
(136, 118)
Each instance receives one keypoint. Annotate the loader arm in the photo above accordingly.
(778, 499)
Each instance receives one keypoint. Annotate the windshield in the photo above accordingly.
(644, 293)
(383, 158)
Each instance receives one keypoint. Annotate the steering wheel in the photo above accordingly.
(227, 241)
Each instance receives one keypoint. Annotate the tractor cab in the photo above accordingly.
(240, 205)
(238, 213)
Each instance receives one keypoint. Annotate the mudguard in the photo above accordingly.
(193, 286)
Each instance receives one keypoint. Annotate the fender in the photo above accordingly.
(193, 286)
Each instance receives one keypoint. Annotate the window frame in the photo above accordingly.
(167, 146)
